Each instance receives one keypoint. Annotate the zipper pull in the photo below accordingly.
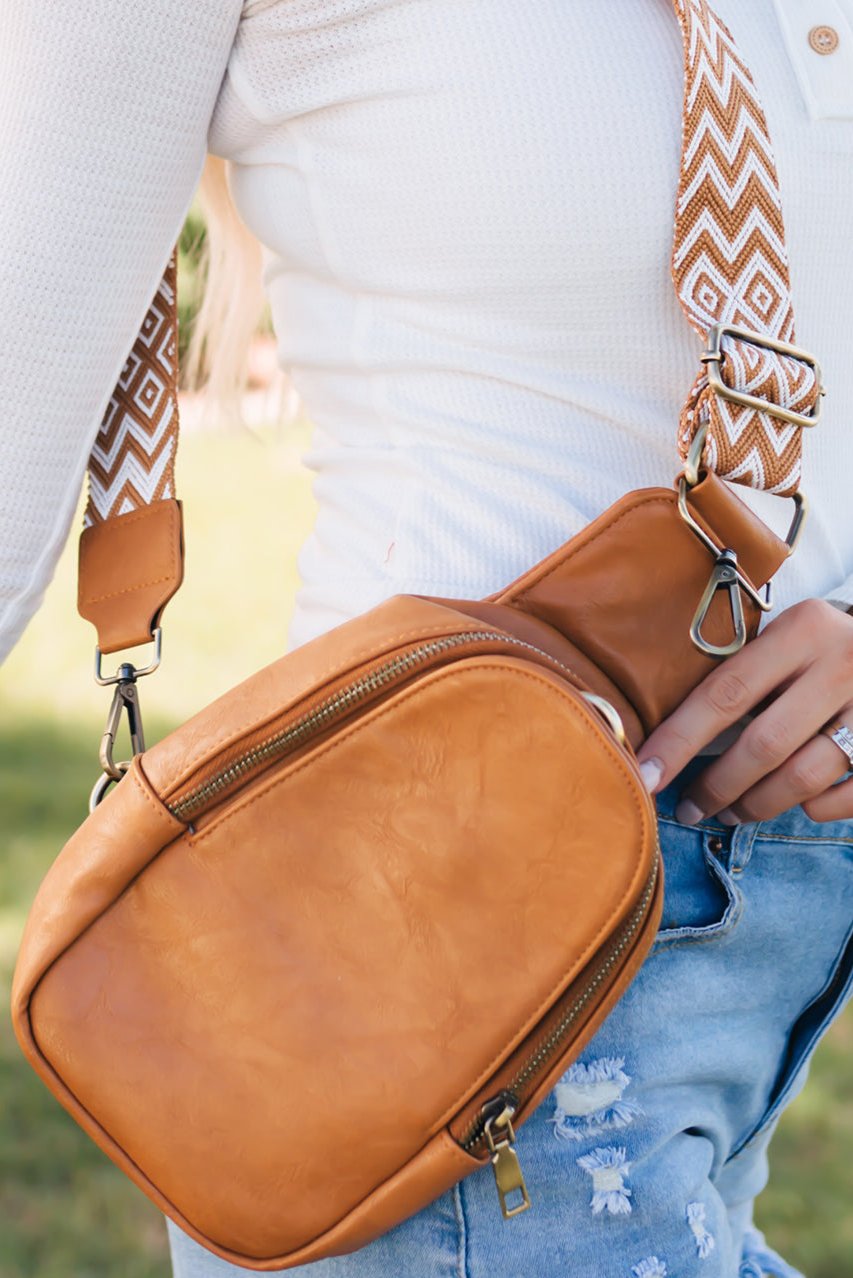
(509, 1177)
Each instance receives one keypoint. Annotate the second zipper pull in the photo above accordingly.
(509, 1178)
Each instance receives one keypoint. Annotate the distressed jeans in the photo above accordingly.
(647, 1157)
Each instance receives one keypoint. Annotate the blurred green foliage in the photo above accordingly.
(64, 1212)
(190, 253)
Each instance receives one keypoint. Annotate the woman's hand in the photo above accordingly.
(799, 671)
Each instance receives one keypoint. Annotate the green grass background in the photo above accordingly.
(65, 1211)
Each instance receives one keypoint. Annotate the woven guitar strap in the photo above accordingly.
(730, 268)
(131, 550)
(743, 418)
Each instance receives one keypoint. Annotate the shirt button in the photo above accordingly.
(824, 39)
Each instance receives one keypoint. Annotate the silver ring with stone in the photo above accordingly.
(843, 738)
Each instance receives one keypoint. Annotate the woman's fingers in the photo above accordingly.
(835, 804)
(803, 777)
(773, 750)
(722, 698)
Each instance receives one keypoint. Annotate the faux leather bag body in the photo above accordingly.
(394, 878)
(322, 948)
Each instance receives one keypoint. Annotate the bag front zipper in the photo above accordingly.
(496, 1115)
(311, 723)
(492, 1129)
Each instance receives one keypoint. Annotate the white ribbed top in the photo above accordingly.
(467, 208)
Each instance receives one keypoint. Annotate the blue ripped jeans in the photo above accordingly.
(646, 1159)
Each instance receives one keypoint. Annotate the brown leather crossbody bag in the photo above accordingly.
(320, 951)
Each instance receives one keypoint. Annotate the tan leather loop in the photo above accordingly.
(129, 568)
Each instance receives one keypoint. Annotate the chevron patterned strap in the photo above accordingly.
(131, 548)
(132, 463)
(730, 265)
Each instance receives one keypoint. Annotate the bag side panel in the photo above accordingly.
(124, 833)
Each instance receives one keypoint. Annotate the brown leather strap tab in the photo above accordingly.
(729, 522)
(129, 568)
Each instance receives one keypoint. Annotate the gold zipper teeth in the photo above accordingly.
(475, 1132)
(328, 710)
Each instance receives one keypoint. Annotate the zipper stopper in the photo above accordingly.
(509, 1177)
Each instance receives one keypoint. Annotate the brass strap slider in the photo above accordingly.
(714, 355)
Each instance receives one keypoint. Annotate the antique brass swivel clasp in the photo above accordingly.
(125, 703)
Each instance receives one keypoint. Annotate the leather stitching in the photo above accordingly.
(134, 516)
(174, 826)
(169, 539)
(128, 590)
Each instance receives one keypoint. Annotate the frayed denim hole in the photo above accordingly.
(589, 1099)
(651, 1267)
(702, 1236)
(609, 1168)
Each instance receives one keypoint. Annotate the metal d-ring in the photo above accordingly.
(693, 461)
(139, 672)
(103, 783)
(610, 715)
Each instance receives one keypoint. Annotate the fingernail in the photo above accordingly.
(687, 813)
(727, 817)
(651, 770)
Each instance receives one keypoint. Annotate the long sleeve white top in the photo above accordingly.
(466, 207)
